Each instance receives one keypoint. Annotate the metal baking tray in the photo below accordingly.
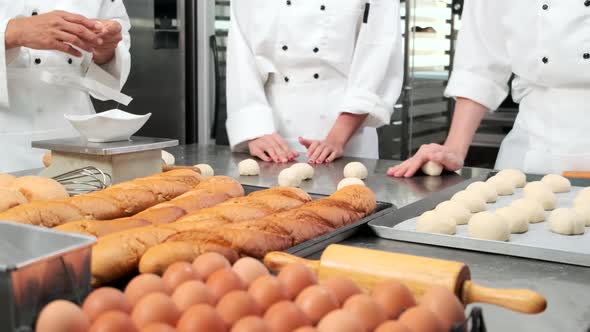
(37, 266)
(537, 243)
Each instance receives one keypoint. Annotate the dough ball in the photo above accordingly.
(436, 222)
(289, 178)
(557, 183)
(585, 191)
(10, 198)
(487, 190)
(37, 188)
(432, 169)
(584, 212)
(566, 222)
(456, 210)
(517, 177)
(546, 197)
(350, 182)
(6, 180)
(582, 199)
(206, 170)
(533, 209)
(536, 186)
(356, 170)
(168, 158)
(248, 167)
(518, 220)
(305, 170)
(488, 226)
(475, 203)
(503, 185)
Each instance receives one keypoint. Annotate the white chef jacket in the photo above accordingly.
(294, 65)
(30, 108)
(546, 44)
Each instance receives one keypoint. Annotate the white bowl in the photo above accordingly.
(110, 126)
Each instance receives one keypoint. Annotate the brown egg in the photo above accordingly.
(201, 318)
(420, 319)
(366, 310)
(306, 329)
(392, 326)
(235, 305)
(296, 277)
(393, 297)
(249, 269)
(445, 305)
(191, 293)
(268, 290)
(341, 321)
(178, 273)
(342, 287)
(251, 324)
(222, 282)
(113, 321)
(316, 301)
(142, 285)
(155, 307)
(62, 316)
(157, 327)
(105, 299)
(285, 316)
(210, 262)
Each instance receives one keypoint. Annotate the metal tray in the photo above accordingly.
(38, 265)
(537, 243)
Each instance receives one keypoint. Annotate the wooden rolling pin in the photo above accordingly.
(369, 267)
(576, 175)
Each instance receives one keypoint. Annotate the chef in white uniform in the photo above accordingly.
(546, 44)
(315, 76)
(36, 38)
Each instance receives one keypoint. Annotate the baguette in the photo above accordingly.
(255, 238)
(117, 255)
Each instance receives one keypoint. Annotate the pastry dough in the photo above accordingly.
(455, 210)
(566, 222)
(206, 170)
(557, 183)
(488, 226)
(533, 209)
(518, 220)
(485, 189)
(349, 182)
(517, 177)
(436, 222)
(248, 167)
(503, 185)
(432, 169)
(356, 170)
(475, 203)
(305, 170)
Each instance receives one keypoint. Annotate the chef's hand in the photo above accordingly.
(272, 148)
(449, 158)
(55, 30)
(324, 151)
(110, 33)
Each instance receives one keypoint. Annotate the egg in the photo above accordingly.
(342, 287)
(113, 321)
(178, 273)
(268, 290)
(155, 307)
(445, 305)
(285, 316)
(251, 324)
(420, 319)
(201, 318)
(190, 293)
(341, 321)
(157, 327)
(222, 282)
(208, 263)
(105, 299)
(369, 313)
(306, 329)
(296, 277)
(392, 326)
(142, 285)
(236, 305)
(249, 269)
(62, 316)
(316, 301)
(393, 297)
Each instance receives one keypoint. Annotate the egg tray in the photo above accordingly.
(538, 243)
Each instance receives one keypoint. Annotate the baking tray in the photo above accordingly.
(537, 243)
(38, 265)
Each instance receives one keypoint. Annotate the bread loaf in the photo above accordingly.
(255, 238)
(10, 198)
(6, 180)
(118, 254)
(39, 188)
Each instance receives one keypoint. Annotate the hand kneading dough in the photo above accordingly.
(432, 169)
(533, 209)
(350, 182)
(517, 177)
(436, 222)
(518, 220)
(475, 203)
(487, 190)
(36, 188)
(6, 180)
(566, 222)
(206, 170)
(10, 198)
(488, 226)
(355, 170)
(546, 197)
(248, 167)
(503, 185)
(289, 178)
(305, 170)
(584, 211)
(558, 183)
(458, 211)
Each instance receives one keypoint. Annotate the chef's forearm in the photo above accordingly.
(345, 126)
(11, 34)
(466, 120)
(100, 58)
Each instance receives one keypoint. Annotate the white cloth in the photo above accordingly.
(546, 44)
(31, 109)
(294, 66)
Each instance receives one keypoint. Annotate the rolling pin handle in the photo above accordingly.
(520, 300)
(275, 261)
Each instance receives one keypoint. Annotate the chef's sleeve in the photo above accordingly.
(376, 74)
(6, 55)
(249, 114)
(482, 69)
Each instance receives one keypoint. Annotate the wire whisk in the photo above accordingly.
(84, 180)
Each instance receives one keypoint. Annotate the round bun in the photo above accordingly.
(566, 222)
(248, 167)
(544, 196)
(10, 198)
(6, 180)
(518, 220)
(456, 210)
(168, 158)
(436, 222)
(488, 226)
(432, 169)
(349, 182)
(37, 188)
(536, 186)
(355, 170)
(305, 170)
(533, 209)
(517, 177)
(485, 189)
(289, 178)
(504, 186)
(475, 203)
(557, 183)
(206, 170)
